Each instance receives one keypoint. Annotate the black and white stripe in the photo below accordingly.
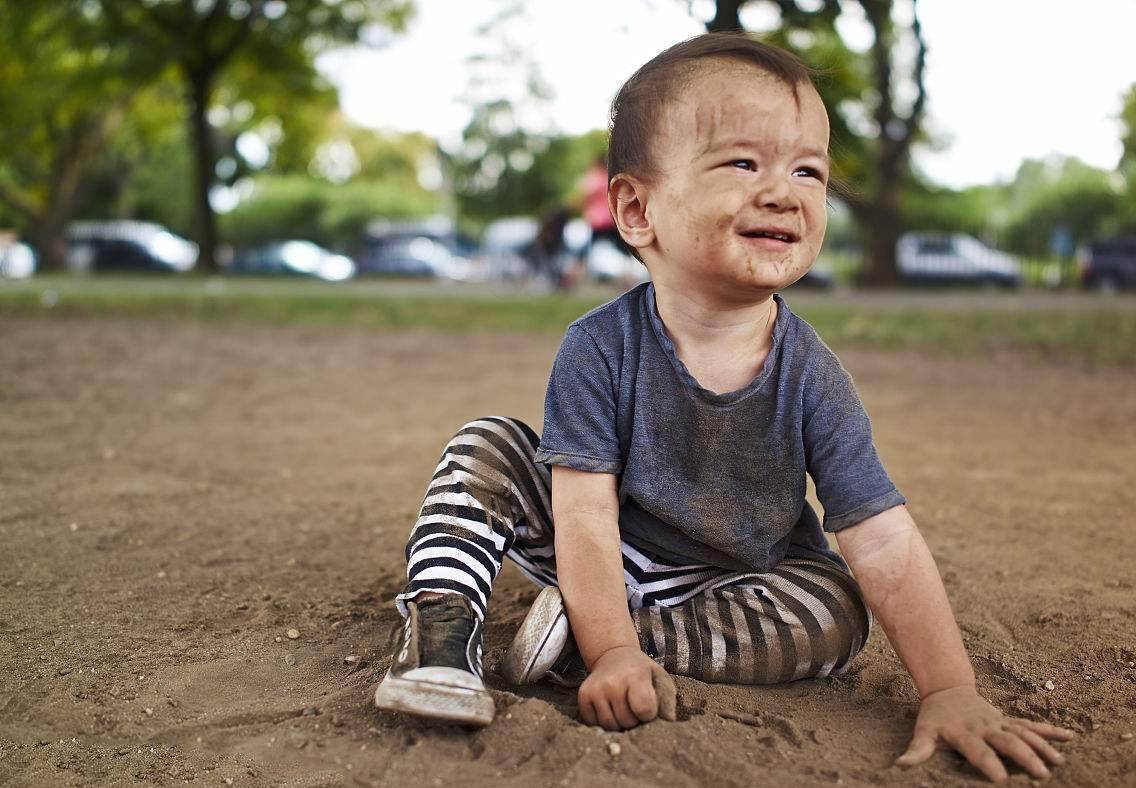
(488, 498)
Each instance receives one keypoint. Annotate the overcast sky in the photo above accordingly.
(1006, 79)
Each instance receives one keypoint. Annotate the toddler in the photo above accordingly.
(663, 508)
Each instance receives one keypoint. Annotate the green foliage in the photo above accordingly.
(62, 91)
(142, 170)
(1127, 164)
(268, 45)
(1128, 122)
(335, 215)
(1065, 193)
(972, 211)
(514, 172)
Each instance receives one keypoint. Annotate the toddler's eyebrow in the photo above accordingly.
(725, 144)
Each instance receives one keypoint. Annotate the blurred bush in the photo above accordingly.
(331, 214)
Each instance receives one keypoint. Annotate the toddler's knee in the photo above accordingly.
(494, 424)
(511, 436)
(841, 644)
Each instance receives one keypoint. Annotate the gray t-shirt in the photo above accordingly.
(713, 478)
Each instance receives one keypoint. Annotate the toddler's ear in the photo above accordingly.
(627, 199)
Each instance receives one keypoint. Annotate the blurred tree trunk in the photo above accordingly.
(726, 17)
(875, 198)
(216, 40)
(881, 219)
(204, 166)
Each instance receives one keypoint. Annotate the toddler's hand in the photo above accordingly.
(625, 688)
(961, 718)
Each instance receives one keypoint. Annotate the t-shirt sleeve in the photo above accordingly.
(579, 408)
(851, 482)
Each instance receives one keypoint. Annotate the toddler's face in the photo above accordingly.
(739, 200)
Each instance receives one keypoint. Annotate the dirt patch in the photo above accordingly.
(175, 497)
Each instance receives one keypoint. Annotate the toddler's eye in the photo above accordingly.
(810, 172)
(743, 164)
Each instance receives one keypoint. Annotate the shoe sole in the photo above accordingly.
(539, 640)
(435, 701)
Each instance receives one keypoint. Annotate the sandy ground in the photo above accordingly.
(176, 497)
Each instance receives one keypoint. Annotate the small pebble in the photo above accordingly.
(288, 658)
(58, 642)
(74, 527)
(1126, 737)
(149, 712)
(310, 711)
(614, 748)
(242, 606)
(278, 638)
(1049, 685)
(351, 659)
(293, 634)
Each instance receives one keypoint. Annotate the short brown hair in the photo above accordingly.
(637, 106)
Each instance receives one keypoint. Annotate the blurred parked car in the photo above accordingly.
(17, 260)
(816, 278)
(957, 259)
(503, 245)
(428, 248)
(296, 258)
(127, 246)
(508, 246)
(1108, 264)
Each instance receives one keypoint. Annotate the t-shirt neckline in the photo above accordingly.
(729, 397)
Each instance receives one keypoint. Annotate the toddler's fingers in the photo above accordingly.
(587, 711)
(642, 699)
(604, 716)
(1034, 740)
(1047, 730)
(920, 749)
(666, 692)
(622, 712)
(980, 754)
(1011, 746)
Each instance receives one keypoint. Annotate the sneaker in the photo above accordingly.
(544, 646)
(436, 671)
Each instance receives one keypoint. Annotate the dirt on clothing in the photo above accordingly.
(202, 529)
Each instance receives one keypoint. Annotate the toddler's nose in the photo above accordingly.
(773, 192)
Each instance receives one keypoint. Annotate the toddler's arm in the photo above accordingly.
(619, 691)
(902, 586)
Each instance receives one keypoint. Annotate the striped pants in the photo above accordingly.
(489, 499)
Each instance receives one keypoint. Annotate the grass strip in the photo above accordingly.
(1104, 333)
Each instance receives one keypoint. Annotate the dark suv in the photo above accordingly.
(1109, 264)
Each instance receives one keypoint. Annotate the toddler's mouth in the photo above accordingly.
(774, 233)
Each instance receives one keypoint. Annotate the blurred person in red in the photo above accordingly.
(595, 210)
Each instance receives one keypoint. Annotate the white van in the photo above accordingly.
(940, 258)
